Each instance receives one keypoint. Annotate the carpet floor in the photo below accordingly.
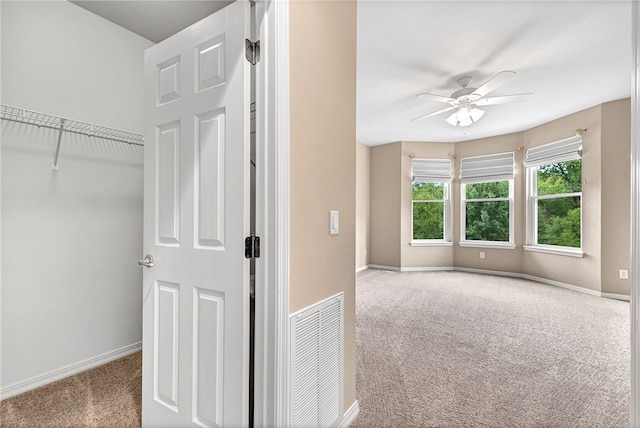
(433, 349)
(106, 396)
(454, 349)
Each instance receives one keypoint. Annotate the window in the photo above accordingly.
(430, 201)
(429, 210)
(486, 217)
(554, 174)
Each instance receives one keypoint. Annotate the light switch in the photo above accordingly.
(334, 222)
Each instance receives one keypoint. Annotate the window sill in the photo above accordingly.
(431, 243)
(488, 244)
(560, 251)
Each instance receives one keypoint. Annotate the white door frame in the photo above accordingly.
(272, 272)
(272, 219)
(635, 219)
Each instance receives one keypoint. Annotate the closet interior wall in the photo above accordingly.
(71, 288)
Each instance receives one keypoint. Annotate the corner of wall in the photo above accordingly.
(616, 190)
(363, 204)
(385, 205)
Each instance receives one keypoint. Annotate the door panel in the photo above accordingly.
(196, 295)
(208, 346)
(166, 336)
(168, 184)
(210, 179)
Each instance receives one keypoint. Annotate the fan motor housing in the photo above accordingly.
(465, 92)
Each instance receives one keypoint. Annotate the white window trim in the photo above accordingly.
(430, 243)
(532, 220)
(488, 244)
(446, 233)
(463, 217)
(555, 249)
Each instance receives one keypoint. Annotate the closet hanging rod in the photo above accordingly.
(44, 120)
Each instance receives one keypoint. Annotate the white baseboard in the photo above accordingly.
(404, 269)
(616, 296)
(489, 272)
(508, 274)
(547, 281)
(349, 416)
(562, 285)
(426, 269)
(70, 370)
(383, 267)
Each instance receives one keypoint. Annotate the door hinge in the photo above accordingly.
(252, 51)
(252, 246)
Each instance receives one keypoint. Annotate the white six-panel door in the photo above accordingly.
(196, 215)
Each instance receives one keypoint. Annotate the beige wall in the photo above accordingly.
(363, 185)
(384, 239)
(505, 260)
(323, 160)
(420, 256)
(584, 272)
(616, 193)
(605, 212)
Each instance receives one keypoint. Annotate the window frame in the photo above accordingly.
(463, 216)
(446, 210)
(487, 168)
(532, 210)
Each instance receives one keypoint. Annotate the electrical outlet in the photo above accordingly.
(623, 274)
(482, 254)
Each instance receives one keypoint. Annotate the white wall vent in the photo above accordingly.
(317, 361)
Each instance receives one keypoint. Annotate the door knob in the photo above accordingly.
(147, 261)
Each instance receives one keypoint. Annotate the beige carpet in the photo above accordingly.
(107, 396)
(436, 349)
(453, 349)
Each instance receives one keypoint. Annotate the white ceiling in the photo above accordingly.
(154, 20)
(571, 54)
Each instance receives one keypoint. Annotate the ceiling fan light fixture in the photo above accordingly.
(465, 116)
(468, 98)
(465, 122)
(476, 114)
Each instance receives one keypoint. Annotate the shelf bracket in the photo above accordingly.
(55, 159)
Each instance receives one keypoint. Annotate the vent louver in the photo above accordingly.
(317, 349)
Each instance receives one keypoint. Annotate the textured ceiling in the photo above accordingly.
(571, 54)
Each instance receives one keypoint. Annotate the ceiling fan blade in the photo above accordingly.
(493, 83)
(503, 100)
(436, 97)
(424, 116)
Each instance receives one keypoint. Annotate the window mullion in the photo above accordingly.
(558, 196)
(489, 200)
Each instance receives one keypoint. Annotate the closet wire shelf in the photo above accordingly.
(21, 115)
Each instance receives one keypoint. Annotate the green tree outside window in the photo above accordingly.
(559, 194)
(428, 210)
(487, 220)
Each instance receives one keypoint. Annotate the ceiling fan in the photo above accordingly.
(467, 99)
